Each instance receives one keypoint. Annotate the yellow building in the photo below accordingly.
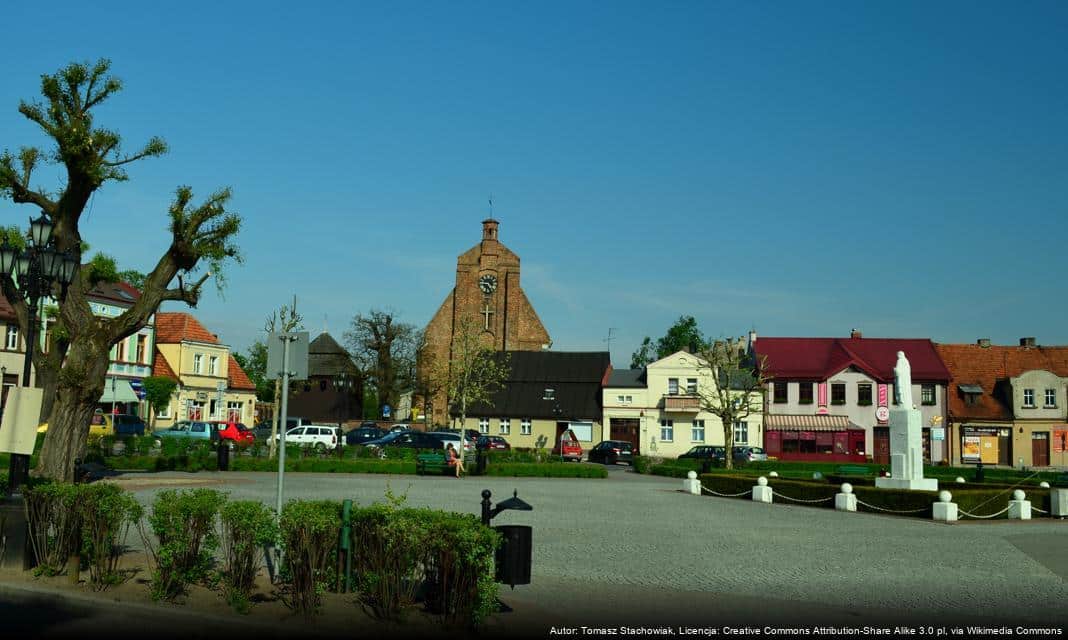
(546, 393)
(211, 385)
(659, 408)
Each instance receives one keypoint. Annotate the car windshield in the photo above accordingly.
(756, 449)
(391, 436)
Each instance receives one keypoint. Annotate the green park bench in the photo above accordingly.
(434, 463)
(853, 470)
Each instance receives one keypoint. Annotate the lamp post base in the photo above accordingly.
(17, 552)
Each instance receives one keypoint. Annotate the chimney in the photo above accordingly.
(1027, 342)
(855, 333)
(752, 338)
(983, 342)
(489, 229)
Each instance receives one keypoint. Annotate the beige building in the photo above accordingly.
(658, 408)
(211, 385)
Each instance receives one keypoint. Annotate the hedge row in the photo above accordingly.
(446, 557)
(977, 501)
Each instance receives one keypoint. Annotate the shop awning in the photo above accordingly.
(808, 423)
(123, 391)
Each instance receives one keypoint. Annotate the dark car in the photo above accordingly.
(262, 431)
(706, 452)
(492, 443)
(612, 452)
(408, 439)
(363, 435)
(128, 425)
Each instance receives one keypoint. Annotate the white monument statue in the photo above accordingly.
(906, 437)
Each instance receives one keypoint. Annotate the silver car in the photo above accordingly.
(750, 454)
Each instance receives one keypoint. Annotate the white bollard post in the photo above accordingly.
(1019, 508)
(691, 484)
(847, 500)
(762, 492)
(945, 510)
(1058, 503)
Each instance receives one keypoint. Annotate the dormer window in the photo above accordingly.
(971, 393)
(1029, 398)
(550, 394)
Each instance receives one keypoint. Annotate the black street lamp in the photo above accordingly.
(36, 270)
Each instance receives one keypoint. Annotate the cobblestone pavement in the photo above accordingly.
(599, 545)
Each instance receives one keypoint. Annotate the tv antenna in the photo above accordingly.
(608, 340)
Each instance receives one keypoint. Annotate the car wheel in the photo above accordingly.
(320, 447)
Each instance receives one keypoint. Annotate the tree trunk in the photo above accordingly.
(728, 440)
(78, 390)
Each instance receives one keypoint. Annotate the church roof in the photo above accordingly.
(575, 378)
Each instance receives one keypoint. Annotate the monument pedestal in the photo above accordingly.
(906, 453)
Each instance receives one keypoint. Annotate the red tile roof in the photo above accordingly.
(174, 327)
(820, 358)
(237, 378)
(161, 368)
(6, 310)
(990, 368)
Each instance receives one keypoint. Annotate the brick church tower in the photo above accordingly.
(487, 293)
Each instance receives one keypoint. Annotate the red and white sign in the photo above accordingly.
(882, 414)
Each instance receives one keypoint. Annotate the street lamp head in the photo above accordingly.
(50, 263)
(8, 255)
(40, 231)
(22, 263)
(68, 264)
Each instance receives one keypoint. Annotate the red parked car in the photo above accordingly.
(568, 447)
(235, 432)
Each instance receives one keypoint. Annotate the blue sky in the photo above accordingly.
(800, 168)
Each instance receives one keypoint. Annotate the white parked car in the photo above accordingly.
(321, 437)
(454, 438)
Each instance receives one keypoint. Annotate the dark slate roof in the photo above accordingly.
(627, 378)
(575, 378)
(328, 358)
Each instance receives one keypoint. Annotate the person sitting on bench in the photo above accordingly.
(454, 459)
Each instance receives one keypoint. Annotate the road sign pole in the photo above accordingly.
(286, 338)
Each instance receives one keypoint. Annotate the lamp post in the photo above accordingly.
(3, 388)
(343, 386)
(35, 270)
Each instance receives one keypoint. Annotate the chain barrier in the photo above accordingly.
(725, 495)
(1039, 510)
(802, 501)
(871, 506)
(992, 515)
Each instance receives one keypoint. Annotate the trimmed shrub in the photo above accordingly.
(309, 533)
(387, 568)
(184, 524)
(106, 513)
(52, 509)
(459, 565)
(334, 465)
(247, 526)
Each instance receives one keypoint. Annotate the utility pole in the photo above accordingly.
(286, 338)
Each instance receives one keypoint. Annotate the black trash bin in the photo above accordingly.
(514, 555)
(223, 451)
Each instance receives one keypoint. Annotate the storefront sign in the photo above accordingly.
(938, 433)
(822, 394)
(882, 414)
(969, 449)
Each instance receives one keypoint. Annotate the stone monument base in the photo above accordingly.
(919, 484)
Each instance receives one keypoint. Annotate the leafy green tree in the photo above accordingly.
(683, 335)
(475, 372)
(90, 156)
(254, 362)
(158, 393)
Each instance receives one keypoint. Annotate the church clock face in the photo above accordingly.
(488, 283)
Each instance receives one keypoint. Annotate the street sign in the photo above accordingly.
(138, 388)
(385, 411)
(882, 414)
(298, 355)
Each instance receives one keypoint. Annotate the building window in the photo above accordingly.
(233, 411)
(741, 433)
(625, 399)
(12, 343)
(673, 386)
(120, 351)
(667, 430)
(1051, 398)
(524, 426)
(804, 393)
(838, 393)
(322, 385)
(549, 394)
(927, 394)
(196, 410)
(164, 411)
(971, 399)
(213, 365)
(213, 409)
(864, 394)
(506, 426)
(198, 363)
(142, 341)
(483, 425)
(698, 432)
(1029, 398)
(691, 386)
(781, 392)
